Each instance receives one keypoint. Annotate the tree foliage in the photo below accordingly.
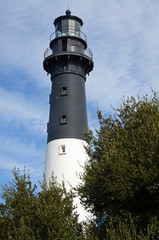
(120, 185)
(48, 214)
(122, 174)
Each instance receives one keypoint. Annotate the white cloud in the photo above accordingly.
(126, 52)
(7, 164)
(17, 108)
(25, 149)
(17, 153)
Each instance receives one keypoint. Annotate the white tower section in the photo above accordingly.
(65, 158)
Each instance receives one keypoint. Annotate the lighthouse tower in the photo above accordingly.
(68, 61)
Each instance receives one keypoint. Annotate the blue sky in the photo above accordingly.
(124, 38)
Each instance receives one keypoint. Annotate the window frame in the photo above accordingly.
(63, 120)
(63, 91)
(62, 149)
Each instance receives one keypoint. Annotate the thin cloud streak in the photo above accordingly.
(11, 145)
(127, 53)
(14, 106)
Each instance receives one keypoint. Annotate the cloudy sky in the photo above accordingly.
(124, 38)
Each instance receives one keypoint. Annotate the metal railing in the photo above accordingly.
(68, 32)
(70, 49)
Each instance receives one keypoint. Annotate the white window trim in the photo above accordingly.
(62, 149)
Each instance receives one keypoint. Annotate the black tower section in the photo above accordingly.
(68, 60)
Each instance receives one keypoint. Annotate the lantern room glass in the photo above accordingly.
(67, 27)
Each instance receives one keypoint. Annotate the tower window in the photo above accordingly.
(63, 120)
(63, 91)
(64, 68)
(62, 149)
(64, 45)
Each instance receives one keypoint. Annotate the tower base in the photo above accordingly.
(65, 159)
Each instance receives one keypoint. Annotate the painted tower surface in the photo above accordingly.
(68, 61)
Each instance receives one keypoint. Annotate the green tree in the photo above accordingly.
(122, 174)
(48, 214)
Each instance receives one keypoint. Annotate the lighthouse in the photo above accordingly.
(68, 61)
